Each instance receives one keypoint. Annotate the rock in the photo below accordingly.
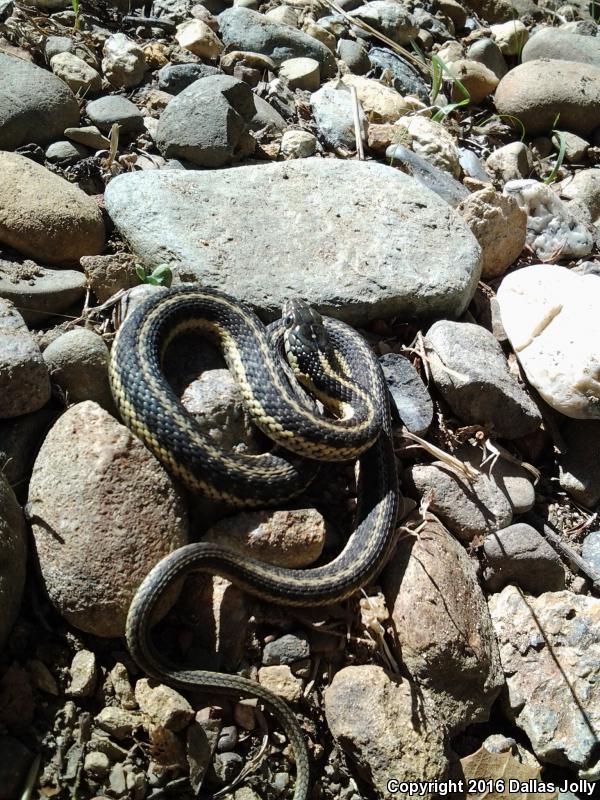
(469, 369)
(549, 647)
(78, 365)
(584, 186)
(106, 111)
(405, 78)
(96, 766)
(379, 102)
(467, 508)
(537, 91)
(118, 722)
(493, 10)
(24, 381)
(44, 216)
(354, 55)
(84, 674)
(549, 314)
(228, 738)
(39, 292)
(207, 123)
(20, 438)
(510, 36)
(165, 707)
(487, 52)
(552, 228)
(286, 650)
(433, 178)
(320, 34)
(89, 136)
(243, 29)
(332, 109)
(519, 555)
(388, 18)
(227, 766)
(478, 80)
(408, 393)
(281, 681)
(590, 549)
(74, 71)
(499, 224)
(174, 78)
(575, 147)
(13, 560)
(371, 715)
(266, 117)
(320, 271)
(298, 144)
(65, 153)
(123, 64)
(292, 538)
(301, 73)
(109, 274)
(284, 14)
(510, 162)
(197, 37)
(443, 626)
(514, 481)
(579, 472)
(562, 45)
(433, 142)
(65, 44)
(15, 762)
(380, 136)
(111, 490)
(35, 106)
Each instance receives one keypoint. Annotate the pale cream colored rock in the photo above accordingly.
(165, 707)
(84, 674)
(197, 37)
(298, 144)
(584, 186)
(550, 315)
(74, 71)
(432, 141)
(121, 686)
(44, 216)
(281, 681)
(450, 52)
(380, 103)
(510, 36)
(321, 35)
(477, 79)
(124, 63)
(119, 723)
(575, 146)
(301, 73)
(510, 162)
(285, 14)
(499, 224)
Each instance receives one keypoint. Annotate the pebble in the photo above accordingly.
(174, 78)
(510, 162)
(575, 147)
(537, 91)
(96, 765)
(513, 480)
(65, 153)
(281, 681)
(510, 36)
(13, 559)
(44, 216)
(584, 187)
(78, 364)
(35, 106)
(390, 19)
(244, 29)
(227, 766)
(197, 37)
(469, 369)
(84, 674)
(106, 111)
(579, 467)
(408, 393)
(298, 144)
(89, 136)
(284, 14)
(123, 691)
(549, 314)
(550, 652)
(111, 491)
(24, 380)
(76, 73)
(519, 555)
(165, 707)
(301, 73)
(405, 78)
(332, 109)
(478, 80)
(227, 739)
(371, 716)
(354, 55)
(443, 626)
(499, 224)
(379, 102)
(286, 650)
(432, 141)
(323, 271)
(38, 292)
(554, 43)
(207, 123)
(65, 44)
(118, 723)
(109, 274)
(552, 228)
(487, 52)
(590, 550)
(123, 63)
(431, 177)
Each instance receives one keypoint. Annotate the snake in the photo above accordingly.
(334, 363)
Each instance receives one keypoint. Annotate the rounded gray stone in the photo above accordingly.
(35, 105)
(358, 253)
(590, 550)
(106, 111)
(40, 292)
(487, 52)
(518, 554)
(563, 46)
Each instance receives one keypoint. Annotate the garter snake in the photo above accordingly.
(337, 364)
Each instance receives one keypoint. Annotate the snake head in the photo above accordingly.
(305, 338)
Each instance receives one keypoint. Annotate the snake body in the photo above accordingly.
(151, 409)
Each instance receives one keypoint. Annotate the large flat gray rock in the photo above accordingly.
(357, 240)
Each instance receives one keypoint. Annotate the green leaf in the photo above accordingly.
(140, 272)
(562, 144)
(162, 275)
(438, 68)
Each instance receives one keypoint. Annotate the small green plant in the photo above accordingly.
(558, 140)
(76, 9)
(160, 276)
(438, 68)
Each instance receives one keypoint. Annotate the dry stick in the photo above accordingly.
(360, 151)
(567, 551)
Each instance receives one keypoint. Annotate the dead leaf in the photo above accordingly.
(501, 776)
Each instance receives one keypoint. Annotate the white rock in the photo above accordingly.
(552, 229)
(584, 186)
(298, 144)
(511, 162)
(510, 36)
(284, 14)
(550, 315)
(301, 73)
(380, 103)
(75, 73)
(123, 62)
(432, 141)
(197, 37)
